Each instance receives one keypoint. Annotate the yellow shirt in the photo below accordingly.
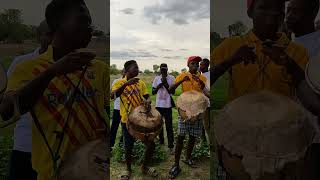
(249, 78)
(192, 84)
(131, 97)
(83, 126)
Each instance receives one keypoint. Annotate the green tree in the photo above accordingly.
(237, 29)
(184, 70)
(147, 71)
(156, 68)
(114, 70)
(174, 73)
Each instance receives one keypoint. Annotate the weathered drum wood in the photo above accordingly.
(144, 125)
(91, 161)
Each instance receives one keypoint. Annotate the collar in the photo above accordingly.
(283, 40)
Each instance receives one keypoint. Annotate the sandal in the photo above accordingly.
(174, 172)
(190, 163)
(150, 172)
(125, 175)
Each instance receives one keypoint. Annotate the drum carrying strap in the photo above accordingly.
(55, 155)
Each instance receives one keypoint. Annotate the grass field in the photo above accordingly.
(163, 167)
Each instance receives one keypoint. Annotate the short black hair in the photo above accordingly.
(254, 2)
(128, 64)
(206, 60)
(57, 10)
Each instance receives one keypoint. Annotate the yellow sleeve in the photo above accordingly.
(203, 79)
(224, 50)
(144, 90)
(179, 77)
(117, 85)
(20, 76)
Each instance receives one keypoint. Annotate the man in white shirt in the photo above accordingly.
(164, 103)
(116, 117)
(204, 69)
(300, 20)
(20, 163)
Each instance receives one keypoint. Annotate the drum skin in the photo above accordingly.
(192, 105)
(262, 134)
(143, 125)
(90, 161)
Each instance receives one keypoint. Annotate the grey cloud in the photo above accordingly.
(166, 50)
(179, 11)
(183, 49)
(173, 57)
(127, 54)
(128, 11)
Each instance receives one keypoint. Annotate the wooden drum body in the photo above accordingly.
(192, 105)
(143, 125)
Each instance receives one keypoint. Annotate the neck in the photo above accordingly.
(60, 49)
(262, 36)
(164, 75)
(204, 71)
(193, 72)
(307, 29)
(129, 76)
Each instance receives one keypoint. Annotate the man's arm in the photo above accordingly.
(219, 70)
(173, 88)
(295, 71)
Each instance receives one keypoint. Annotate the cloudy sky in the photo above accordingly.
(33, 11)
(153, 32)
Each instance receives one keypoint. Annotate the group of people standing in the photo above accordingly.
(266, 59)
(126, 92)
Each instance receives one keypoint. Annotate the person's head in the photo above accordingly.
(267, 16)
(301, 14)
(131, 68)
(44, 35)
(164, 69)
(193, 63)
(70, 22)
(204, 65)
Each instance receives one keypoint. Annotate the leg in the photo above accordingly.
(161, 135)
(148, 155)
(114, 126)
(129, 142)
(20, 166)
(169, 127)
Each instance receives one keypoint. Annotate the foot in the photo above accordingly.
(174, 171)
(126, 175)
(149, 171)
(190, 163)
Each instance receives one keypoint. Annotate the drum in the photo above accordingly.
(312, 74)
(263, 136)
(90, 161)
(192, 105)
(144, 125)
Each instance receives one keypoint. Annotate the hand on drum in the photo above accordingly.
(147, 104)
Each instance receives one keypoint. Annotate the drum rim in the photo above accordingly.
(311, 83)
(141, 129)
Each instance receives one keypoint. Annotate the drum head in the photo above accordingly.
(312, 74)
(3, 80)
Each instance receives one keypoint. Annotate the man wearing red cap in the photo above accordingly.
(262, 59)
(192, 80)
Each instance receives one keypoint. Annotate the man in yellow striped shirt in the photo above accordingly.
(133, 93)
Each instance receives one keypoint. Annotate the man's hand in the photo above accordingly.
(160, 86)
(244, 54)
(277, 54)
(132, 81)
(147, 104)
(72, 62)
(186, 78)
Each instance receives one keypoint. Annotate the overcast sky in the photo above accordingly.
(33, 11)
(153, 32)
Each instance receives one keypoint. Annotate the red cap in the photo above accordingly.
(194, 58)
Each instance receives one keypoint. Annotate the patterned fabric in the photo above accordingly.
(192, 129)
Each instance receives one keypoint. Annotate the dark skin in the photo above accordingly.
(301, 16)
(204, 66)
(132, 72)
(267, 18)
(73, 33)
(193, 69)
(164, 82)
